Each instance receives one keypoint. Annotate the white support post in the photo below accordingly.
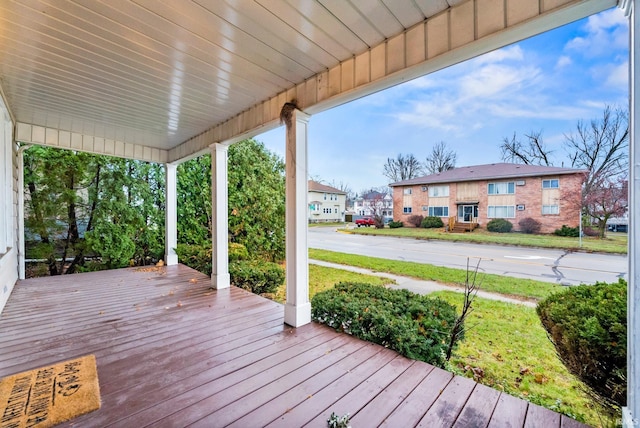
(21, 240)
(297, 311)
(219, 217)
(631, 413)
(171, 215)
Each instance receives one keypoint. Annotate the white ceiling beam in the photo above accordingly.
(44, 136)
(462, 32)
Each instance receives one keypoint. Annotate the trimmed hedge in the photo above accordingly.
(572, 232)
(588, 327)
(416, 326)
(499, 225)
(199, 257)
(432, 222)
(395, 224)
(256, 276)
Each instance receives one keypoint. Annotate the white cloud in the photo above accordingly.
(513, 53)
(497, 80)
(563, 62)
(619, 76)
(605, 32)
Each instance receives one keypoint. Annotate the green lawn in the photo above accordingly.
(505, 344)
(613, 243)
(523, 288)
(511, 349)
(322, 278)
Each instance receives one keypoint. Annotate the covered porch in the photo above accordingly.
(172, 351)
(167, 82)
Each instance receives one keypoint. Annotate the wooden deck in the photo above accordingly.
(171, 352)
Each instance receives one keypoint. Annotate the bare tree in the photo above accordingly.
(601, 147)
(531, 152)
(402, 168)
(441, 159)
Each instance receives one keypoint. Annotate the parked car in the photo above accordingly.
(365, 221)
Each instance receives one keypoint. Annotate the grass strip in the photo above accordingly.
(615, 243)
(506, 347)
(322, 278)
(516, 287)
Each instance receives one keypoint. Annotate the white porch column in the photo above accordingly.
(171, 215)
(631, 413)
(21, 240)
(219, 216)
(297, 311)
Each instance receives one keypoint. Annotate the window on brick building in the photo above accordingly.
(550, 209)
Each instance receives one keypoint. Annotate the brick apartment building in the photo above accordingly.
(479, 193)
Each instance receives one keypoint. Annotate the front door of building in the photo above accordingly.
(466, 213)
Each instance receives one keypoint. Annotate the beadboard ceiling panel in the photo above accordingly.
(158, 74)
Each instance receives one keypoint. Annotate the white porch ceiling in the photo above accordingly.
(160, 80)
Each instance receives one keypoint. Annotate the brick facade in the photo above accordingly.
(528, 195)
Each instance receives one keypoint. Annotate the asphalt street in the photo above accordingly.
(551, 265)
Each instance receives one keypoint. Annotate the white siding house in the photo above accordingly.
(326, 203)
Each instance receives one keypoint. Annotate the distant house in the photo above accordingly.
(480, 193)
(326, 203)
(372, 203)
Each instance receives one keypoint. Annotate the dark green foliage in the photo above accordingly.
(256, 200)
(529, 225)
(237, 252)
(565, 230)
(415, 220)
(395, 224)
(197, 257)
(499, 225)
(194, 201)
(104, 206)
(588, 327)
(256, 276)
(432, 222)
(416, 326)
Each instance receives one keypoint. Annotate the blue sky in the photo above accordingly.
(547, 83)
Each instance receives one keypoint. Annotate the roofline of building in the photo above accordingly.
(417, 181)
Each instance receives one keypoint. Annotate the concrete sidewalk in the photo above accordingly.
(420, 286)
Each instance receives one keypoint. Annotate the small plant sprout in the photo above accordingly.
(336, 421)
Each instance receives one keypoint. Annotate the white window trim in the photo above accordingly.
(557, 209)
(502, 182)
(550, 180)
(444, 208)
(501, 206)
(434, 191)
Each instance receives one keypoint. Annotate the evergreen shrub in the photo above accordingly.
(565, 230)
(418, 327)
(588, 326)
(499, 225)
(431, 222)
(256, 276)
(395, 224)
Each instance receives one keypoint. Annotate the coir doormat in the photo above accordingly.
(49, 395)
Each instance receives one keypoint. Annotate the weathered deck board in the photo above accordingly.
(173, 352)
